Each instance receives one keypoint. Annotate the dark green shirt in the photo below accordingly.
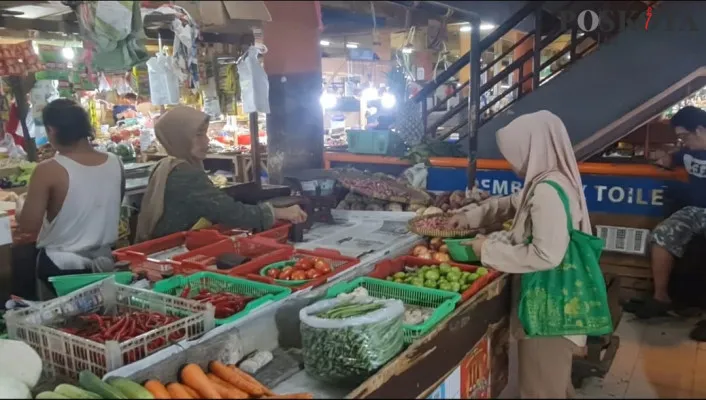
(189, 195)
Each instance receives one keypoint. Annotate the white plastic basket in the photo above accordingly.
(64, 354)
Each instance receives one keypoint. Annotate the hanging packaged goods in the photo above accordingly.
(19, 59)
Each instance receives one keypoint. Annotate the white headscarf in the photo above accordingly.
(537, 145)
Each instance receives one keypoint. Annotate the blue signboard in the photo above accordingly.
(607, 194)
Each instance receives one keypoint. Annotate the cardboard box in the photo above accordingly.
(227, 16)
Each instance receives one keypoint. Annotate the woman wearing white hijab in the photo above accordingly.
(538, 148)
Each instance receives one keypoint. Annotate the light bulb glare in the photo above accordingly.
(324, 43)
(67, 53)
(328, 101)
(369, 94)
(388, 100)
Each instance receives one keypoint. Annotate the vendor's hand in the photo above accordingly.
(476, 243)
(459, 221)
(293, 214)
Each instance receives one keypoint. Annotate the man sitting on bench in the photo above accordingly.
(670, 238)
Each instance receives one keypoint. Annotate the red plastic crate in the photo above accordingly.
(385, 268)
(138, 255)
(279, 232)
(339, 263)
(200, 259)
(230, 232)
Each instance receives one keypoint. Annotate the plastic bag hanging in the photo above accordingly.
(254, 86)
(164, 82)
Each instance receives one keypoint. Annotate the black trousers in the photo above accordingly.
(47, 269)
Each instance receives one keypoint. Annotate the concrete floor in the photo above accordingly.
(656, 359)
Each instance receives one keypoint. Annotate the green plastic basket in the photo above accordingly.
(66, 284)
(280, 265)
(213, 282)
(459, 252)
(443, 302)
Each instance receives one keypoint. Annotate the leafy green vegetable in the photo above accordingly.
(346, 350)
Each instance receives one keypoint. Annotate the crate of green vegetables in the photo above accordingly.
(345, 341)
(466, 280)
(424, 307)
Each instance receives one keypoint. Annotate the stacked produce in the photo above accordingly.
(225, 304)
(450, 201)
(102, 328)
(443, 276)
(20, 178)
(345, 341)
(20, 369)
(357, 202)
(222, 382)
(413, 315)
(434, 249)
(303, 269)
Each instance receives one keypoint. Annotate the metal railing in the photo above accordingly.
(578, 46)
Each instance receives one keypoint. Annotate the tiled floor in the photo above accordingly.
(655, 360)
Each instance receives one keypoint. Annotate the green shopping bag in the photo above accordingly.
(570, 299)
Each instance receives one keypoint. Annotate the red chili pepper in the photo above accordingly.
(185, 292)
(110, 333)
(224, 312)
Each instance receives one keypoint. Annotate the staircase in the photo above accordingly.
(612, 83)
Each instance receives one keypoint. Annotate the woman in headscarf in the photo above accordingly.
(538, 148)
(179, 192)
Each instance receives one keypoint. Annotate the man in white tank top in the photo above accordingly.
(73, 199)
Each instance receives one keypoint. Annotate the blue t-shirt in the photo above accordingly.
(694, 161)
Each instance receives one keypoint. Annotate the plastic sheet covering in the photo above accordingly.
(347, 351)
(164, 83)
(254, 85)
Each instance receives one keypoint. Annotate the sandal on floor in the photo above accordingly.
(652, 308)
(631, 306)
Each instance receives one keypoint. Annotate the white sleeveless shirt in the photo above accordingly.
(87, 223)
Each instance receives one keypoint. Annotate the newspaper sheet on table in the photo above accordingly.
(361, 234)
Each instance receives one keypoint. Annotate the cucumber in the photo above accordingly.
(74, 392)
(50, 395)
(130, 389)
(89, 381)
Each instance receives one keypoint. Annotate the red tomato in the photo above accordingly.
(313, 273)
(322, 266)
(286, 275)
(299, 276)
(273, 273)
(308, 263)
(288, 269)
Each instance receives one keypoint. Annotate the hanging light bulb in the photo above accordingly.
(369, 94)
(67, 53)
(388, 100)
(328, 101)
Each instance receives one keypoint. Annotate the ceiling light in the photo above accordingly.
(369, 94)
(388, 100)
(67, 53)
(328, 101)
(324, 43)
(487, 27)
(483, 27)
(352, 45)
(408, 49)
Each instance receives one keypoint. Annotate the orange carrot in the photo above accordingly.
(302, 396)
(177, 391)
(226, 390)
(193, 393)
(249, 378)
(157, 389)
(231, 376)
(192, 375)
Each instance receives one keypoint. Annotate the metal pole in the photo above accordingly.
(537, 48)
(255, 149)
(474, 101)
